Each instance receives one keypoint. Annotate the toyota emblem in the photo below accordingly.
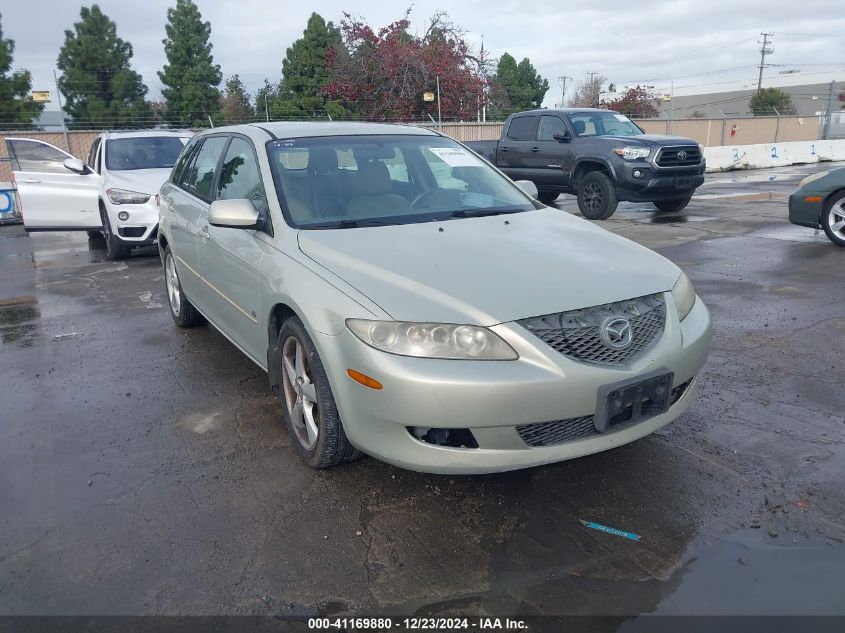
(616, 333)
(682, 155)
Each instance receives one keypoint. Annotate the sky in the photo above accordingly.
(683, 46)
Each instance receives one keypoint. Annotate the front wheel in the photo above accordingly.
(309, 410)
(833, 218)
(597, 196)
(674, 205)
(115, 248)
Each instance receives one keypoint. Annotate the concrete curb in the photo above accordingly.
(727, 158)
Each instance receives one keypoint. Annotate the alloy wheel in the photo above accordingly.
(171, 279)
(836, 218)
(300, 393)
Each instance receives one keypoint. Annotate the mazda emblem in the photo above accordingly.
(616, 333)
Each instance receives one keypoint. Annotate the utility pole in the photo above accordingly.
(765, 50)
(439, 118)
(827, 115)
(562, 79)
(594, 94)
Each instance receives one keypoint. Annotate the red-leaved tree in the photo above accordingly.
(637, 102)
(386, 71)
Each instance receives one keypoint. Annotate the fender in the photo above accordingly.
(594, 158)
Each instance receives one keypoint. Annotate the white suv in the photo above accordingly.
(113, 193)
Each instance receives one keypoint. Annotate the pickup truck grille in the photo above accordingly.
(681, 156)
(576, 334)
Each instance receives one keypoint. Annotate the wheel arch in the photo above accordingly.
(827, 200)
(279, 313)
(586, 165)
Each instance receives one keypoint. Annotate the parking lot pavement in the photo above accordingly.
(145, 469)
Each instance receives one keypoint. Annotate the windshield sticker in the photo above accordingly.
(455, 156)
(620, 117)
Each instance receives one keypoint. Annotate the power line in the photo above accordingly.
(765, 50)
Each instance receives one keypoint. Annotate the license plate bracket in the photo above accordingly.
(682, 183)
(633, 400)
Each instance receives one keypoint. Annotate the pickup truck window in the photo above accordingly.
(549, 126)
(350, 181)
(521, 128)
(603, 124)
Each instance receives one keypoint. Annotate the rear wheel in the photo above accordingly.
(547, 197)
(674, 205)
(596, 196)
(309, 410)
(115, 248)
(833, 218)
(183, 311)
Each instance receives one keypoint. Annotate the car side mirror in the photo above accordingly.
(562, 137)
(528, 187)
(234, 214)
(75, 165)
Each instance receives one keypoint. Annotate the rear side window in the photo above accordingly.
(37, 157)
(183, 159)
(521, 128)
(549, 126)
(199, 176)
(239, 175)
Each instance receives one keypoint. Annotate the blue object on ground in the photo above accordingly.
(610, 530)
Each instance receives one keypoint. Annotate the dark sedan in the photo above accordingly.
(819, 201)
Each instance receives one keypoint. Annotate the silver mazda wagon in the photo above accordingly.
(410, 302)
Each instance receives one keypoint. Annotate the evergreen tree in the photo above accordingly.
(771, 101)
(17, 109)
(235, 103)
(99, 86)
(305, 72)
(190, 75)
(522, 84)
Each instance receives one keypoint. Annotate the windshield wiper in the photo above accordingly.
(463, 213)
(350, 224)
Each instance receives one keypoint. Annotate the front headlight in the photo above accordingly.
(432, 340)
(813, 177)
(122, 196)
(683, 295)
(630, 153)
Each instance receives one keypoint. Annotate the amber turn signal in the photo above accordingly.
(813, 199)
(365, 380)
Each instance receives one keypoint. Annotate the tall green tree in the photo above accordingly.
(17, 109)
(190, 76)
(306, 73)
(98, 83)
(236, 103)
(770, 101)
(523, 85)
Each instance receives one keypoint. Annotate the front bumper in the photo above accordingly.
(141, 228)
(805, 213)
(655, 185)
(491, 398)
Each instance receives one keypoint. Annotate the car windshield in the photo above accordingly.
(352, 181)
(143, 152)
(592, 123)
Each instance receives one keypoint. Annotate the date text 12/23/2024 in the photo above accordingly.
(417, 624)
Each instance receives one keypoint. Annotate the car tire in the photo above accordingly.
(95, 235)
(833, 218)
(308, 406)
(547, 197)
(597, 196)
(115, 249)
(674, 205)
(184, 313)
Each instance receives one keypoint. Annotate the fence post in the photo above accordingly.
(777, 123)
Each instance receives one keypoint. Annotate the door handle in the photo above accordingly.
(534, 149)
(504, 149)
(31, 181)
(203, 233)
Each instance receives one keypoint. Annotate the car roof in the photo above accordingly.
(565, 110)
(148, 133)
(300, 129)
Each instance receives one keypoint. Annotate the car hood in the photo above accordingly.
(140, 180)
(489, 270)
(651, 140)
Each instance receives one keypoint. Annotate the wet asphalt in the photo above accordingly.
(145, 469)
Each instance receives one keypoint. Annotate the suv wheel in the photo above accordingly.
(596, 196)
(547, 197)
(183, 311)
(115, 249)
(833, 218)
(674, 205)
(309, 410)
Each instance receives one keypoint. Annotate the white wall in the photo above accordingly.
(773, 155)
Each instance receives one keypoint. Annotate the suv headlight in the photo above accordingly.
(432, 340)
(630, 153)
(684, 296)
(122, 196)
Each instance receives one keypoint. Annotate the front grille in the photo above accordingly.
(669, 156)
(556, 432)
(576, 334)
(131, 231)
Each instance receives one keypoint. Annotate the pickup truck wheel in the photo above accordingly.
(183, 311)
(674, 205)
(547, 197)
(114, 248)
(309, 409)
(596, 196)
(833, 218)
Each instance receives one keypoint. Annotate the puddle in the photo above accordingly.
(19, 318)
(745, 196)
(679, 218)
